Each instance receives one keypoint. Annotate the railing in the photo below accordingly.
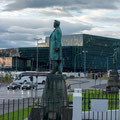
(30, 109)
(20, 109)
(17, 109)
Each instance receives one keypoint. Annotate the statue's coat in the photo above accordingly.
(55, 44)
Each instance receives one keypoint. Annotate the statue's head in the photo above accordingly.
(56, 23)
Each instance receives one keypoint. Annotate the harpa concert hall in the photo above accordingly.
(81, 52)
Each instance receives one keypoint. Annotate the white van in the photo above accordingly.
(41, 79)
(18, 77)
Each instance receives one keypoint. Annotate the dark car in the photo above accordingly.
(28, 85)
(14, 86)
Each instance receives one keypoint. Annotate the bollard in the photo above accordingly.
(77, 104)
(69, 86)
(65, 81)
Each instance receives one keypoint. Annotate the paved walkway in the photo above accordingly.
(85, 83)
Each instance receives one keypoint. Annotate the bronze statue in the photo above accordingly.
(113, 84)
(56, 49)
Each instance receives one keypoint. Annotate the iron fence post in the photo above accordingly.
(18, 109)
(28, 108)
(8, 108)
(3, 108)
(119, 105)
(13, 109)
(23, 110)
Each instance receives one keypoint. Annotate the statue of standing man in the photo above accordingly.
(56, 48)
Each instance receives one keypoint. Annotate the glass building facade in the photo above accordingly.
(70, 40)
(81, 52)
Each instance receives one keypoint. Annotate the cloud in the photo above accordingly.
(54, 12)
(71, 28)
(103, 32)
(23, 20)
(71, 4)
(106, 19)
(21, 32)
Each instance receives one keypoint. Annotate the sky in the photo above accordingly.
(23, 21)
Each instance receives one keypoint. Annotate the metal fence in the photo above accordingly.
(20, 109)
(31, 109)
(17, 109)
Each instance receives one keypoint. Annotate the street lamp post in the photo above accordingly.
(37, 54)
(85, 60)
(16, 63)
(64, 63)
(75, 67)
(107, 64)
(108, 67)
(37, 67)
(75, 62)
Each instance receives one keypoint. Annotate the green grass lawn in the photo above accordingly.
(113, 99)
(21, 114)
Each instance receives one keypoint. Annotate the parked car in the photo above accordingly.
(28, 85)
(14, 85)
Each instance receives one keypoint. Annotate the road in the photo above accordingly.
(15, 94)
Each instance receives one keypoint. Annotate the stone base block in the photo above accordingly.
(37, 113)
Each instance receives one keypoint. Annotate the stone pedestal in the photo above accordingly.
(54, 103)
(113, 85)
(54, 97)
(37, 113)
